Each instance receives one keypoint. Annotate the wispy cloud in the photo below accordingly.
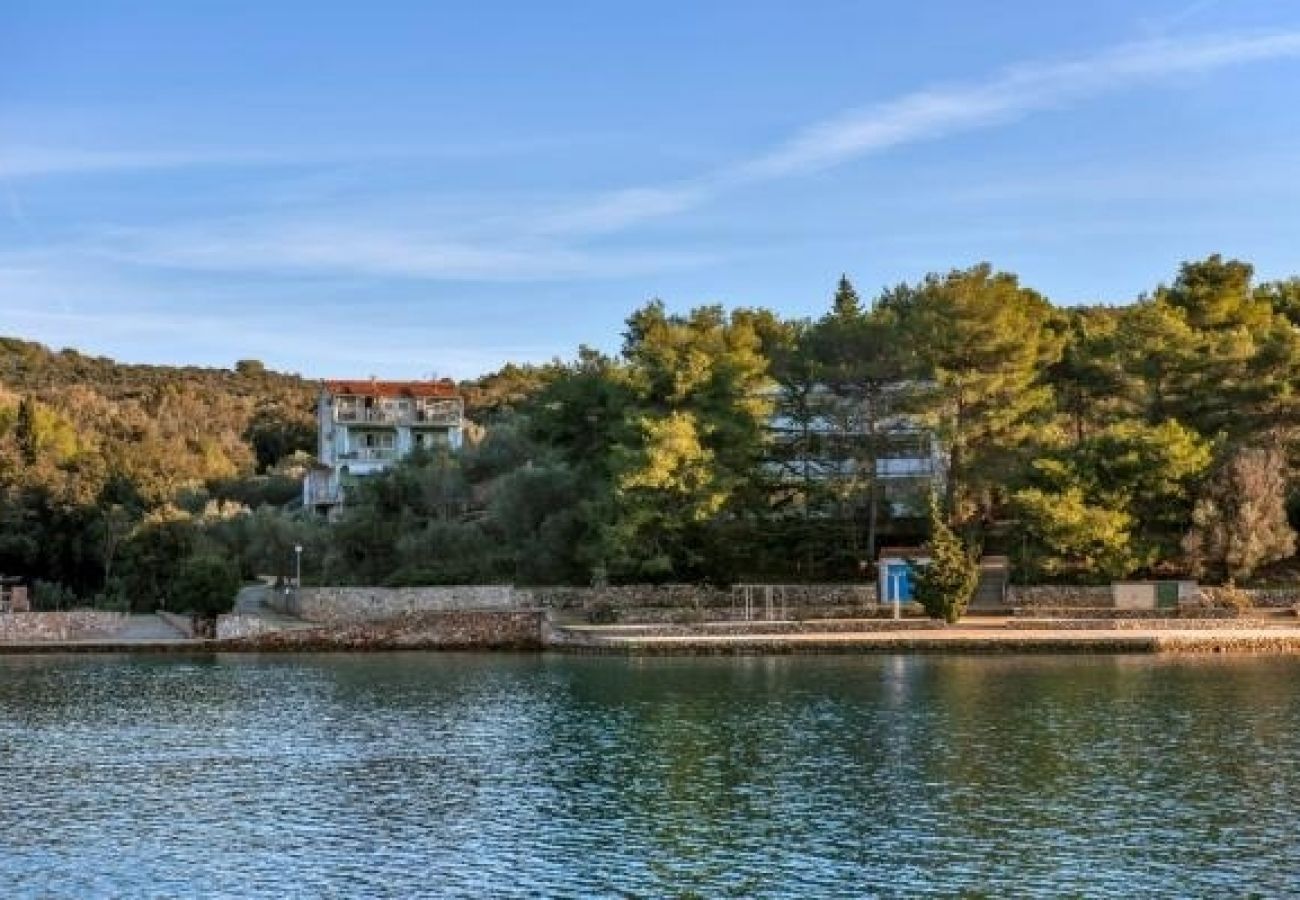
(35, 160)
(27, 162)
(375, 251)
(562, 241)
(939, 112)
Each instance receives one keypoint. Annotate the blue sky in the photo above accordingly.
(403, 189)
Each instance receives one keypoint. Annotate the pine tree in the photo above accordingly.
(846, 304)
(25, 431)
(985, 344)
(944, 586)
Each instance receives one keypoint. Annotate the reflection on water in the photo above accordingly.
(462, 775)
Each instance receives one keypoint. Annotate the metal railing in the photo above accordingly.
(450, 417)
(369, 454)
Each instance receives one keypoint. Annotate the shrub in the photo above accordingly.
(1231, 597)
(602, 612)
(206, 586)
(51, 595)
(945, 585)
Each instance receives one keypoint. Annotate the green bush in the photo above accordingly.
(51, 595)
(945, 585)
(205, 586)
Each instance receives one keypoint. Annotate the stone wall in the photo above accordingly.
(1060, 596)
(461, 630)
(339, 605)
(687, 602)
(1186, 611)
(672, 602)
(72, 625)
(1262, 598)
(1065, 596)
(238, 625)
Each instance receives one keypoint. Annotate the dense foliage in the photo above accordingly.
(1088, 443)
(106, 470)
(946, 581)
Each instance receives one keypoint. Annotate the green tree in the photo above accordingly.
(944, 585)
(25, 432)
(1088, 380)
(846, 305)
(1065, 536)
(1240, 521)
(699, 416)
(205, 585)
(984, 343)
(1125, 498)
(868, 377)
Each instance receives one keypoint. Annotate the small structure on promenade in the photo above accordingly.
(897, 571)
(1153, 595)
(13, 595)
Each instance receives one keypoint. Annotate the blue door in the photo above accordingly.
(898, 582)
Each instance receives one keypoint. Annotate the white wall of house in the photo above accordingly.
(356, 438)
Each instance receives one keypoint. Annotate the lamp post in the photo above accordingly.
(297, 575)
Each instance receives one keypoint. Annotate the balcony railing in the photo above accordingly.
(324, 496)
(369, 454)
(904, 467)
(449, 418)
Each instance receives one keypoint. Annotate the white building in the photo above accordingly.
(823, 437)
(364, 427)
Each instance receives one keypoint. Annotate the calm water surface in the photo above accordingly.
(463, 775)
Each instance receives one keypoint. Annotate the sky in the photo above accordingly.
(410, 189)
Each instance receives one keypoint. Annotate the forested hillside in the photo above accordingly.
(1155, 436)
(90, 449)
(1088, 443)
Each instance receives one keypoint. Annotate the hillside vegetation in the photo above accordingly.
(1089, 443)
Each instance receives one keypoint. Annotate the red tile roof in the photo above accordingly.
(370, 388)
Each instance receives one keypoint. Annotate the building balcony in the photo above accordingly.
(327, 496)
(369, 454)
(905, 467)
(450, 418)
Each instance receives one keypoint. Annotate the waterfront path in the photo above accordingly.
(973, 636)
(253, 600)
(148, 627)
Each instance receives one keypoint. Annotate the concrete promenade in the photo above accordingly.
(975, 635)
(534, 631)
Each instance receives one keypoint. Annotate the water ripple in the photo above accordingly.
(523, 776)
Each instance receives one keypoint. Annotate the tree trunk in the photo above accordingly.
(873, 505)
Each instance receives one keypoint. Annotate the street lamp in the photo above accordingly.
(297, 576)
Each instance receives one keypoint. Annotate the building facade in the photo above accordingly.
(363, 427)
(857, 446)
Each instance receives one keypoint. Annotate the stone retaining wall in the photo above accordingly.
(338, 605)
(236, 626)
(833, 626)
(463, 630)
(71, 625)
(1201, 613)
(1132, 624)
(671, 603)
(695, 596)
(1059, 596)
(1065, 596)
